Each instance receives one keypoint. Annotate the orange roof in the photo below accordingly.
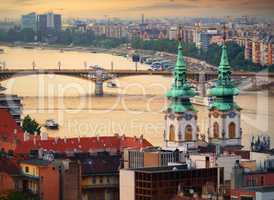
(83, 144)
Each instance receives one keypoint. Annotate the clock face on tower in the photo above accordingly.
(231, 114)
(187, 117)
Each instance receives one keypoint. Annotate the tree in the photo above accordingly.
(30, 125)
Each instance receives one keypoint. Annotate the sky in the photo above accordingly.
(134, 8)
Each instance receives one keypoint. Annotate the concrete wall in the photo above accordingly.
(152, 159)
(127, 184)
(265, 195)
(227, 162)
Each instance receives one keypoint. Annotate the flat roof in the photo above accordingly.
(260, 189)
(174, 168)
(37, 162)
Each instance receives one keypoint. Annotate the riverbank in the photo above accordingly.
(123, 50)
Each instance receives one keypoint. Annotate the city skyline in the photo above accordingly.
(133, 9)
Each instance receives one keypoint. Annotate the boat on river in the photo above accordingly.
(51, 124)
(111, 84)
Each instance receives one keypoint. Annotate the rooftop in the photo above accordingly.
(182, 167)
(36, 162)
(83, 144)
(9, 166)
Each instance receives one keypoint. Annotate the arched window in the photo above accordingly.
(188, 133)
(216, 130)
(171, 133)
(232, 130)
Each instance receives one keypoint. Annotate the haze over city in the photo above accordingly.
(133, 8)
(136, 99)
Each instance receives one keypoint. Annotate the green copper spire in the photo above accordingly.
(181, 90)
(224, 90)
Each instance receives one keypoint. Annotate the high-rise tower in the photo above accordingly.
(180, 119)
(224, 114)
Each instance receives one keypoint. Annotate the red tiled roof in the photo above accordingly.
(7, 127)
(9, 166)
(83, 144)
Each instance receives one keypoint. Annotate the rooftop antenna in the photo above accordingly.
(224, 33)
(179, 34)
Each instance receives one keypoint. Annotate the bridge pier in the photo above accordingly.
(99, 88)
(99, 83)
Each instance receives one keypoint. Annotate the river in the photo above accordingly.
(134, 108)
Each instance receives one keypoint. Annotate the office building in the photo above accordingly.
(49, 22)
(164, 182)
(29, 21)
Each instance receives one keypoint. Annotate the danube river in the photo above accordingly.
(134, 108)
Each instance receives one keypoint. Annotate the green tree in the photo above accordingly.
(30, 125)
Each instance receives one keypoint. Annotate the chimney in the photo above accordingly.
(141, 139)
(98, 138)
(15, 131)
(44, 136)
(78, 139)
(116, 135)
(65, 139)
(34, 140)
(123, 137)
(26, 136)
(56, 140)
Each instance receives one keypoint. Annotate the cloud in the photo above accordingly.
(132, 8)
(162, 6)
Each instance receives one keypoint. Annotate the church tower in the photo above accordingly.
(224, 114)
(180, 119)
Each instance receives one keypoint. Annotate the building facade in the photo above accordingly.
(224, 114)
(164, 182)
(29, 21)
(181, 118)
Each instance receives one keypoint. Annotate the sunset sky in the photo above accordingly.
(134, 8)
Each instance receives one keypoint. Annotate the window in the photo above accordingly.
(27, 169)
(93, 180)
(232, 130)
(216, 130)
(188, 133)
(171, 133)
(262, 180)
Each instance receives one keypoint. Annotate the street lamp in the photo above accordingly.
(33, 65)
(59, 65)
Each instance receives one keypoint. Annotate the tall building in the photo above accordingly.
(29, 21)
(57, 22)
(172, 33)
(224, 113)
(49, 22)
(42, 23)
(154, 183)
(205, 38)
(180, 119)
(256, 53)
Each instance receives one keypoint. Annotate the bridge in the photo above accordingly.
(101, 75)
